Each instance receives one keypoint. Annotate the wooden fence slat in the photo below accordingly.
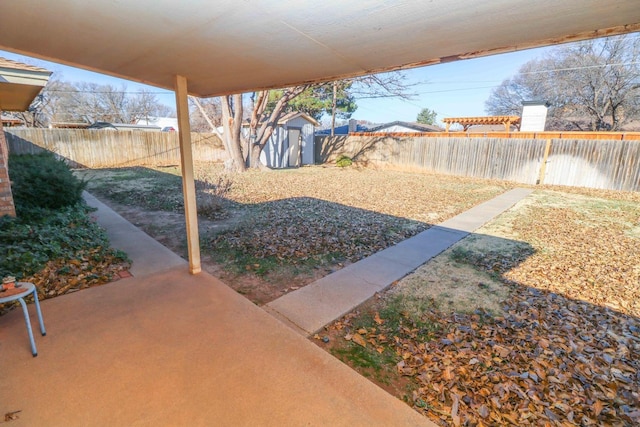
(105, 148)
(555, 159)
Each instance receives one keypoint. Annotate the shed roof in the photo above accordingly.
(288, 117)
(296, 114)
(231, 46)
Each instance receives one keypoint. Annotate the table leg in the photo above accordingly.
(28, 322)
(40, 320)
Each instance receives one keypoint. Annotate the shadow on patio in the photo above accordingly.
(169, 348)
(176, 349)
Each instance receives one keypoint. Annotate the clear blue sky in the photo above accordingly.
(454, 89)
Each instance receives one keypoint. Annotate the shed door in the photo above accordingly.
(294, 147)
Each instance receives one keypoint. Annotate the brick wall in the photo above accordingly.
(6, 198)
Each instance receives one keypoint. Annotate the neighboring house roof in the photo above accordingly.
(162, 122)
(418, 127)
(10, 121)
(68, 125)
(121, 126)
(342, 130)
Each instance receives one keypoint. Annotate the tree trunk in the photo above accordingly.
(255, 156)
(244, 152)
(230, 111)
(268, 126)
(334, 103)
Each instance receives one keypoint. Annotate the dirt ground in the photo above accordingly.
(169, 229)
(268, 213)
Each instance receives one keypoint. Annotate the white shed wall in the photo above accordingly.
(276, 152)
(306, 145)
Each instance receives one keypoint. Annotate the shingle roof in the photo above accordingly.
(7, 63)
(342, 130)
(418, 127)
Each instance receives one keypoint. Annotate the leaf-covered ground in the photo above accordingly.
(533, 320)
(286, 228)
(563, 348)
(61, 252)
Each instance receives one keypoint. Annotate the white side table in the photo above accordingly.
(27, 288)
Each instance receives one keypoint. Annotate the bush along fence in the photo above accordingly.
(604, 164)
(109, 148)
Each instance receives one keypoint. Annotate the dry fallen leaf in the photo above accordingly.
(358, 339)
(377, 319)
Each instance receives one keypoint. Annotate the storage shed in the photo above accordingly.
(291, 144)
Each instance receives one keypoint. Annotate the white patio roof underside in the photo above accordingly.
(206, 48)
(230, 46)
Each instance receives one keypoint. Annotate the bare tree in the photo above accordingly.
(83, 102)
(244, 148)
(207, 116)
(144, 105)
(261, 114)
(593, 85)
(394, 84)
(51, 105)
(385, 85)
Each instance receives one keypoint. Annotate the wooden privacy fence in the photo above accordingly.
(606, 164)
(613, 165)
(109, 148)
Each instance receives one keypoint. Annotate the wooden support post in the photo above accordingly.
(188, 185)
(543, 166)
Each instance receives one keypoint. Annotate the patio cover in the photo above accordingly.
(467, 122)
(20, 84)
(231, 46)
(210, 48)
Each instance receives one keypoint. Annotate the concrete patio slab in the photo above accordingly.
(310, 308)
(171, 349)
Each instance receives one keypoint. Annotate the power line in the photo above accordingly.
(107, 92)
(584, 67)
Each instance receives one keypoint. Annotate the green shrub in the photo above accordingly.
(344, 161)
(41, 181)
(70, 233)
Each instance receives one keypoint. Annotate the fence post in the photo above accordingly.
(543, 166)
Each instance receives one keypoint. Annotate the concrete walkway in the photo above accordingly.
(148, 255)
(166, 348)
(310, 308)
